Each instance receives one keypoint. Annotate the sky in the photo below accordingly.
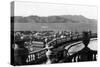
(47, 9)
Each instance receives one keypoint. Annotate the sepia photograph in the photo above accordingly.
(50, 33)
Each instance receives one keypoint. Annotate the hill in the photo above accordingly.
(56, 23)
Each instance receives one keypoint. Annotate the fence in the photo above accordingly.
(35, 57)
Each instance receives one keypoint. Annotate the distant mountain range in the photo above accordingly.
(61, 22)
(53, 19)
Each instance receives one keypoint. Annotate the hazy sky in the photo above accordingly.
(45, 9)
